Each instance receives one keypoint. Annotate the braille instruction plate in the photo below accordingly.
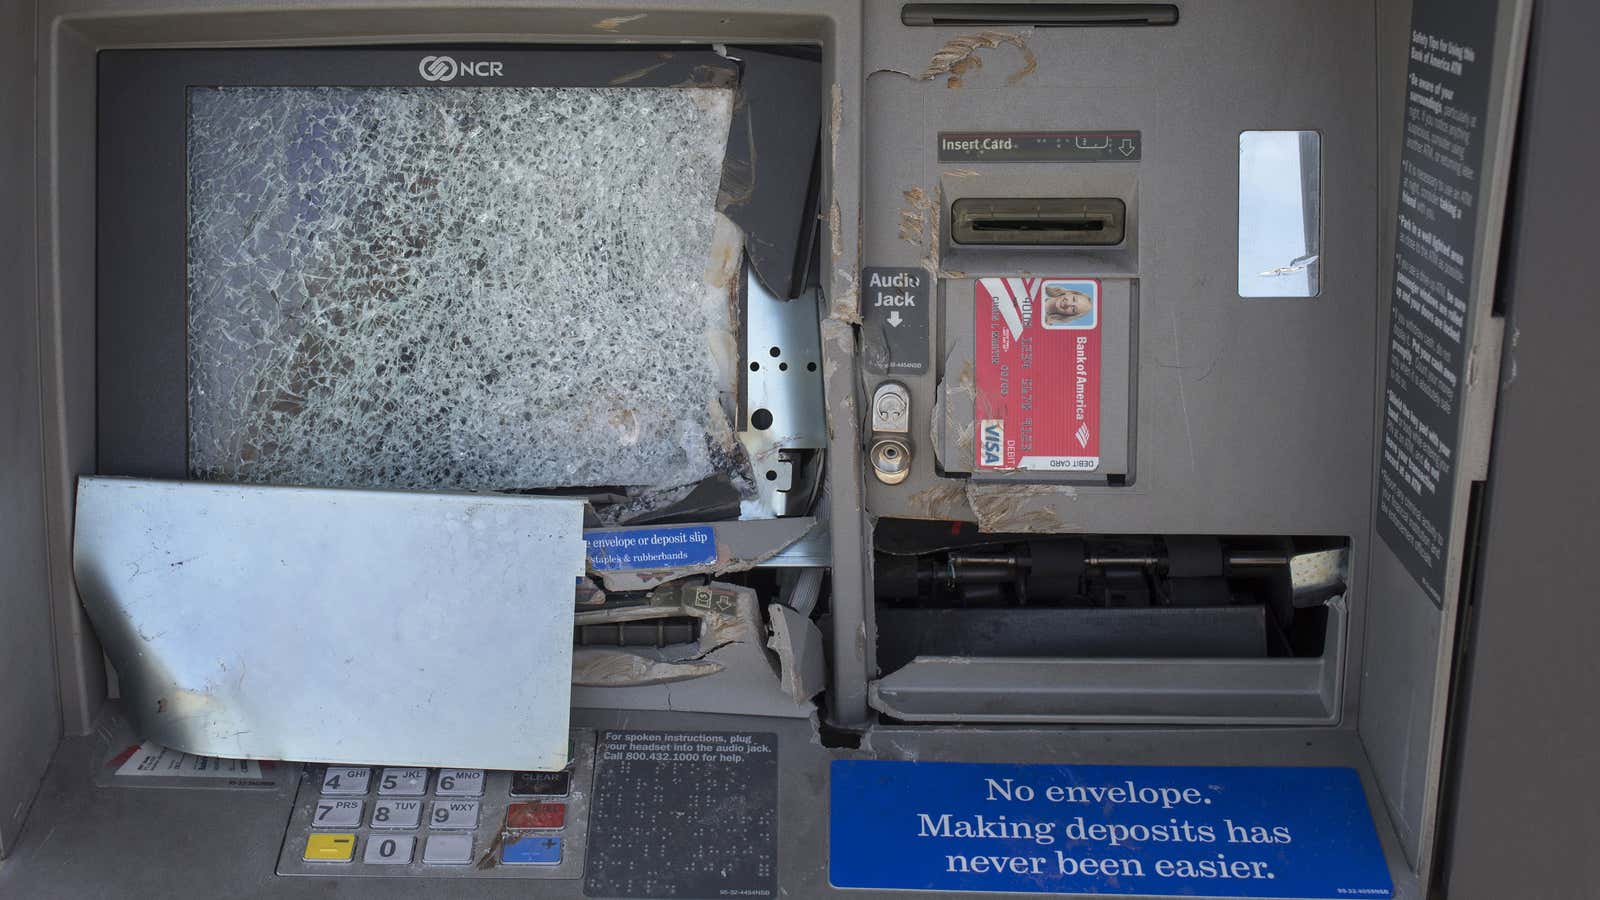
(1196, 831)
(1040, 146)
(684, 814)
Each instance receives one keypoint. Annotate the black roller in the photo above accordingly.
(899, 577)
(1056, 567)
(1195, 556)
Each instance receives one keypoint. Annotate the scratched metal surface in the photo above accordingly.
(365, 627)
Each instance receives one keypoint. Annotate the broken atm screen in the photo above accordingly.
(466, 288)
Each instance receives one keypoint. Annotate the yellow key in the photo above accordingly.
(330, 848)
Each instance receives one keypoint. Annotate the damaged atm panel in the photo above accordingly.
(241, 617)
(578, 272)
(526, 276)
(725, 668)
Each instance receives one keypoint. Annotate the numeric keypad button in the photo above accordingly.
(403, 783)
(396, 813)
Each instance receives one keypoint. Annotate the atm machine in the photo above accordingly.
(719, 449)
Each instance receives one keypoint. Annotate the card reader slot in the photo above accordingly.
(1092, 222)
(1040, 15)
(1022, 223)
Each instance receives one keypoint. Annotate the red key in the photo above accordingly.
(536, 814)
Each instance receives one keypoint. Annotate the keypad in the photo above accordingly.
(453, 823)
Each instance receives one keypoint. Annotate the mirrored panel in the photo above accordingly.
(1280, 214)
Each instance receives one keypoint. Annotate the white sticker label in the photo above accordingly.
(154, 760)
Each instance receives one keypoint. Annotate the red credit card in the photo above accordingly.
(1038, 374)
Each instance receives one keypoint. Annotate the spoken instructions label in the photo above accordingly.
(684, 814)
(1141, 830)
(651, 548)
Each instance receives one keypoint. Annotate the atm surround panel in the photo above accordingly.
(73, 47)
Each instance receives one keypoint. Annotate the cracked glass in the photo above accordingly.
(466, 288)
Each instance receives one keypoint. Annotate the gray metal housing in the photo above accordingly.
(1387, 705)
(1236, 416)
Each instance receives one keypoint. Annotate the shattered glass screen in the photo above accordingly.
(468, 288)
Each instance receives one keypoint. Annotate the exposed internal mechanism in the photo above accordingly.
(960, 593)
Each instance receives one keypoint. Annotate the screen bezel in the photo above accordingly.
(141, 315)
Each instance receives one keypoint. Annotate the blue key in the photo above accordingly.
(532, 850)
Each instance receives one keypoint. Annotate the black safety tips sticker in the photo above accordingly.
(894, 320)
(1430, 320)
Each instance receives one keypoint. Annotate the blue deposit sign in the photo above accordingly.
(1163, 830)
(651, 548)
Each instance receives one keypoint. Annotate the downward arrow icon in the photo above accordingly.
(894, 319)
(1126, 147)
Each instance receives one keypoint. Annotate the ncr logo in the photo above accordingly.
(447, 68)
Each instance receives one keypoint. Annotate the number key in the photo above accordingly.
(389, 849)
(403, 783)
(459, 783)
(454, 814)
(345, 781)
(332, 813)
(396, 813)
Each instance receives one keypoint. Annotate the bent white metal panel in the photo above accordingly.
(379, 627)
